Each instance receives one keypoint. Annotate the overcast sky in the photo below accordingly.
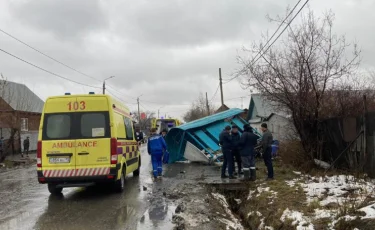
(169, 51)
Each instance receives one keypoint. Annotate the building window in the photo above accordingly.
(24, 124)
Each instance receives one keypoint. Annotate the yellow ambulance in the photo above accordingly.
(86, 140)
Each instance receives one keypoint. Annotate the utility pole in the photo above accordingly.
(208, 107)
(139, 113)
(221, 87)
(104, 83)
(241, 102)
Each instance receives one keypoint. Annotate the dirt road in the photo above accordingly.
(25, 204)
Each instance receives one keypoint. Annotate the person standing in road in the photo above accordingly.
(156, 146)
(164, 133)
(266, 142)
(225, 141)
(235, 148)
(247, 144)
(26, 145)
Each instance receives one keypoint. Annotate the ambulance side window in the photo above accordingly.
(129, 128)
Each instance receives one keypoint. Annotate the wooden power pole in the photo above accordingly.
(139, 113)
(221, 87)
(207, 106)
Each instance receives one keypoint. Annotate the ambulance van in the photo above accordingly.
(86, 140)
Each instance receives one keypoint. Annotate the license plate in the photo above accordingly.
(59, 160)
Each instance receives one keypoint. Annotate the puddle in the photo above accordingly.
(158, 216)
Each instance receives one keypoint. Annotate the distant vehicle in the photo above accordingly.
(144, 138)
(141, 137)
(164, 123)
(84, 140)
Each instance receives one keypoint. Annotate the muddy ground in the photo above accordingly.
(181, 200)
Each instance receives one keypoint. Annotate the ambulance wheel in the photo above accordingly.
(120, 184)
(54, 190)
(138, 170)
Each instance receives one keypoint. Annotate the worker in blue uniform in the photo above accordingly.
(156, 146)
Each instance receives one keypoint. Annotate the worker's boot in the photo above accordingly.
(246, 174)
(253, 172)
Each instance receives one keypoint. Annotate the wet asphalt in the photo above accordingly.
(26, 204)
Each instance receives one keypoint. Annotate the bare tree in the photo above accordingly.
(298, 74)
(144, 124)
(198, 109)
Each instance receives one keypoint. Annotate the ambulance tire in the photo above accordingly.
(54, 190)
(138, 170)
(119, 185)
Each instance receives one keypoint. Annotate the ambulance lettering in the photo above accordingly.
(87, 144)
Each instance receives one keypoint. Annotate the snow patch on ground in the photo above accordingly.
(233, 222)
(251, 193)
(335, 189)
(292, 183)
(346, 218)
(331, 190)
(239, 201)
(321, 214)
(299, 220)
(370, 211)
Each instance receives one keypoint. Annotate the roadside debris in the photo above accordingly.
(322, 164)
(179, 221)
(180, 208)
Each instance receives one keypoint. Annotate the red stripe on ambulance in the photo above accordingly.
(77, 172)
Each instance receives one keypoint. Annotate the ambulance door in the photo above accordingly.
(58, 142)
(93, 143)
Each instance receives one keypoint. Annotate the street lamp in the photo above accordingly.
(139, 113)
(104, 83)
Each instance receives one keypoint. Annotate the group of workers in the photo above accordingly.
(235, 147)
(241, 149)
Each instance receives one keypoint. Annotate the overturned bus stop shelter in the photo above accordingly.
(199, 140)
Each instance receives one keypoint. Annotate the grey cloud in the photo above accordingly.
(170, 50)
(193, 22)
(68, 19)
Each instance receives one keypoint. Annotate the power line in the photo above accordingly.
(120, 99)
(61, 63)
(282, 23)
(120, 93)
(260, 51)
(233, 98)
(283, 30)
(159, 103)
(46, 55)
(47, 71)
(142, 106)
(217, 89)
